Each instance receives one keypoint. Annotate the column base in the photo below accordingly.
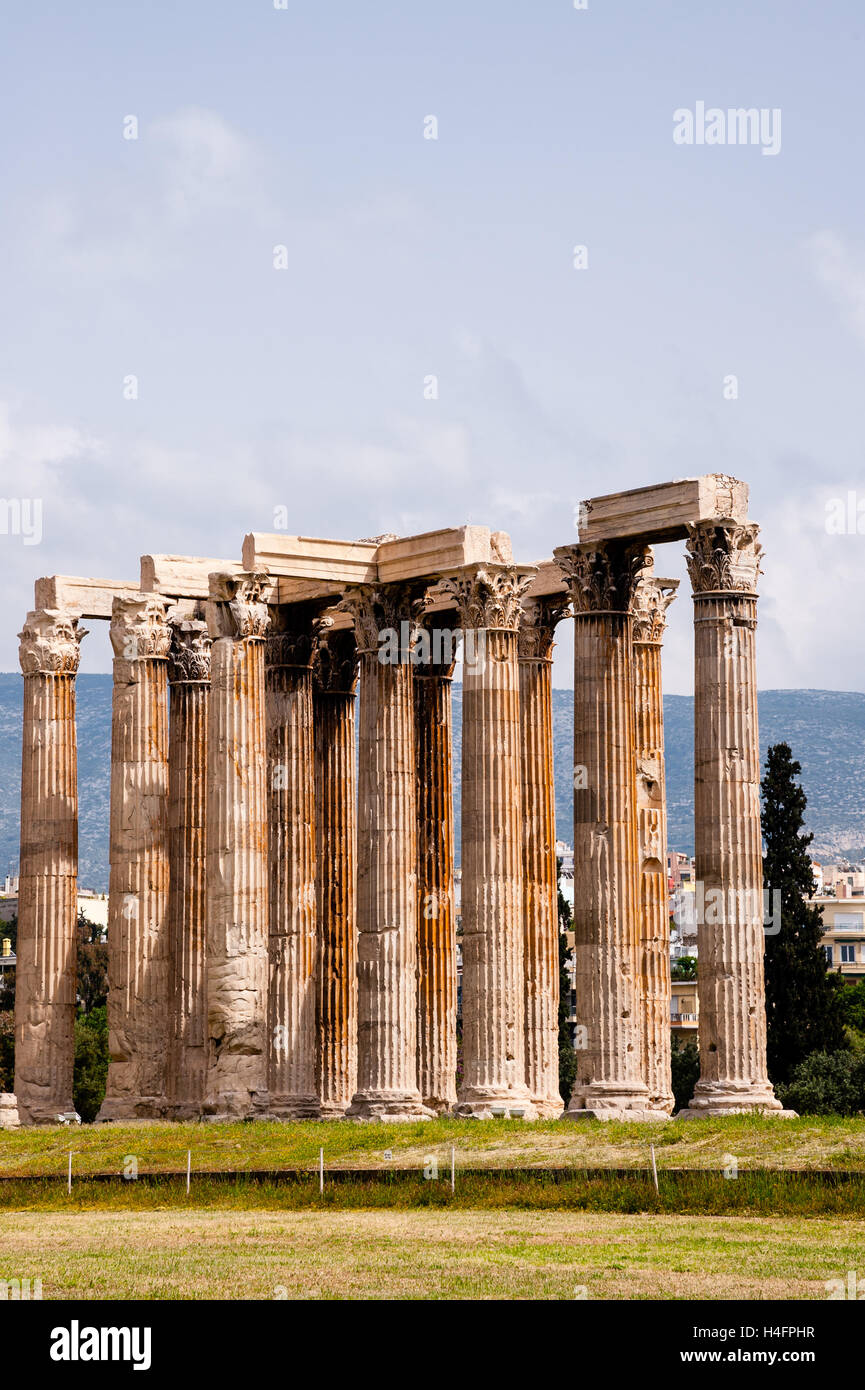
(548, 1107)
(230, 1106)
(183, 1111)
(123, 1109)
(439, 1105)
(611, 1100)
(37, 1114)
(712, 1099)
(478, 1103)
(388, 1107)
(9, 1111)
(333, 1110)
(294, 1107)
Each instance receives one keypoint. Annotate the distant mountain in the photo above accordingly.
(825, 729)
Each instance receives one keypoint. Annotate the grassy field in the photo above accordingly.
(701, 1144)
(425, 1254)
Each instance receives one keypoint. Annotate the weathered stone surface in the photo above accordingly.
(237, 852)
(652, 597)
(334, 685)
(291, 819)
(437, 958)
(387, 861)
(664, 511)
(493, 994)
(609, 1081)
(189, 687)
(540, 893)
(47, 901)
(724, 563)
(138, 953)
(81, 597)
(9, 1111)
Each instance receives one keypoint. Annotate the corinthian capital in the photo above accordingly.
(724, 558)
(189, 654)
(488, 596)
(538, 626)
(652, 598)
(379, 610)
(139, 628)
(236, 607)
(334, 663)
(602, 575)
(50, 643)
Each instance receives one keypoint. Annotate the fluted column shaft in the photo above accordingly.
(189, 695)
(237, 852)
(334, 683)
(493, 985)
(437, 962)
(651, 601)
(387, 860)
(291, 819)
(138, 954)
(609, 1083)
(540, 883)
(47, 886)
(723, 561)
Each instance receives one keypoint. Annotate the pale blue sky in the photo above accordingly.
(304, 388)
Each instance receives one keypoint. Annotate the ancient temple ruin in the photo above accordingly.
(282, 932)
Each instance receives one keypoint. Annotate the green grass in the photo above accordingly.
(425, 1254)
(700, 1193)
(754, 1141)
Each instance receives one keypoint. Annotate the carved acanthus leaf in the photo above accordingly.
(652, 598)
(335, 663)
(724, 558)
(189, 655)
(602, 575)
(488, 596)
(49, 643)
(538, 626)
(139, 627)
(380, 609)
(236, 607)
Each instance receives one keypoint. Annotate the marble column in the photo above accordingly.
(651, 600)
(435, 653)
(291, 820)
(387, 1085)
(189, 695)
(47, 884)
(723, 563)
(493, 989)
(138, 955)
(333, 702)
(609, 1083)
(540, 882)
(237, 851)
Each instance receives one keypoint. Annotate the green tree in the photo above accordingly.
(685, 968)
(803, 1012)
(91, 1063)
(685, 1070)
(851, 1001)
(567, 1055)
(7, 1050)
(827, 1083)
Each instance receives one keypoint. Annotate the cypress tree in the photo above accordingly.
(803, 1012)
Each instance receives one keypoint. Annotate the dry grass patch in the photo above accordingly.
(425, 1254)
